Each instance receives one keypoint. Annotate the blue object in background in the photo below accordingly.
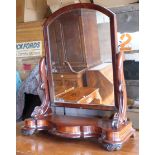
(18, 81)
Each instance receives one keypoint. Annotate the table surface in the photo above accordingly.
(46, 144)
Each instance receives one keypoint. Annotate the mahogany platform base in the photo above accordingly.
(82, 127)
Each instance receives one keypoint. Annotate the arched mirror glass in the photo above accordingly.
(81, 58)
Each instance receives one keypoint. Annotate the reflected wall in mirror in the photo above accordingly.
(81, 58)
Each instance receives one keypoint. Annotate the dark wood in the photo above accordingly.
(111, 133)
(45, 144)
(82, 127)
(44, 109)
(120, 116)
(113, 34)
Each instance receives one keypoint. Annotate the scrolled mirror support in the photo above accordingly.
(120, 116)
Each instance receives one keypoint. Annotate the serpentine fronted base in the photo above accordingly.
(81, 127)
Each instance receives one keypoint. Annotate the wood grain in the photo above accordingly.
(111, 133)
(81, 95)
(46, 144)
(102, 78)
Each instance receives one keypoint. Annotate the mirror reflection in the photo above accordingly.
(81, 58)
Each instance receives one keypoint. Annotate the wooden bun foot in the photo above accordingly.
(113, 139)
(31, 126)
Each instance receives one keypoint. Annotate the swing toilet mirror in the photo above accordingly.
(79, 52)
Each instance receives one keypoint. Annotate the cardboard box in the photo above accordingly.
(114, 3)
(57, 4)
(30, 10)
(30, 32)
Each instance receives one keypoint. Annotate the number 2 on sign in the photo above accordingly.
(126, 42)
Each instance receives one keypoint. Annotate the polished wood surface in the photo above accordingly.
(102, 77)
(81, 95)
(44, 109)
(60, 90)
(82, 127)
(46, 144)
(112, 133)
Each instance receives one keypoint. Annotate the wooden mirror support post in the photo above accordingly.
(40, 113)
(111, 133)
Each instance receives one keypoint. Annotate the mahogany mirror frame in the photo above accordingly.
(117, 61)
(120, 128)
(113, 33)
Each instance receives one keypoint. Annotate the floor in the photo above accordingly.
(45, 144)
